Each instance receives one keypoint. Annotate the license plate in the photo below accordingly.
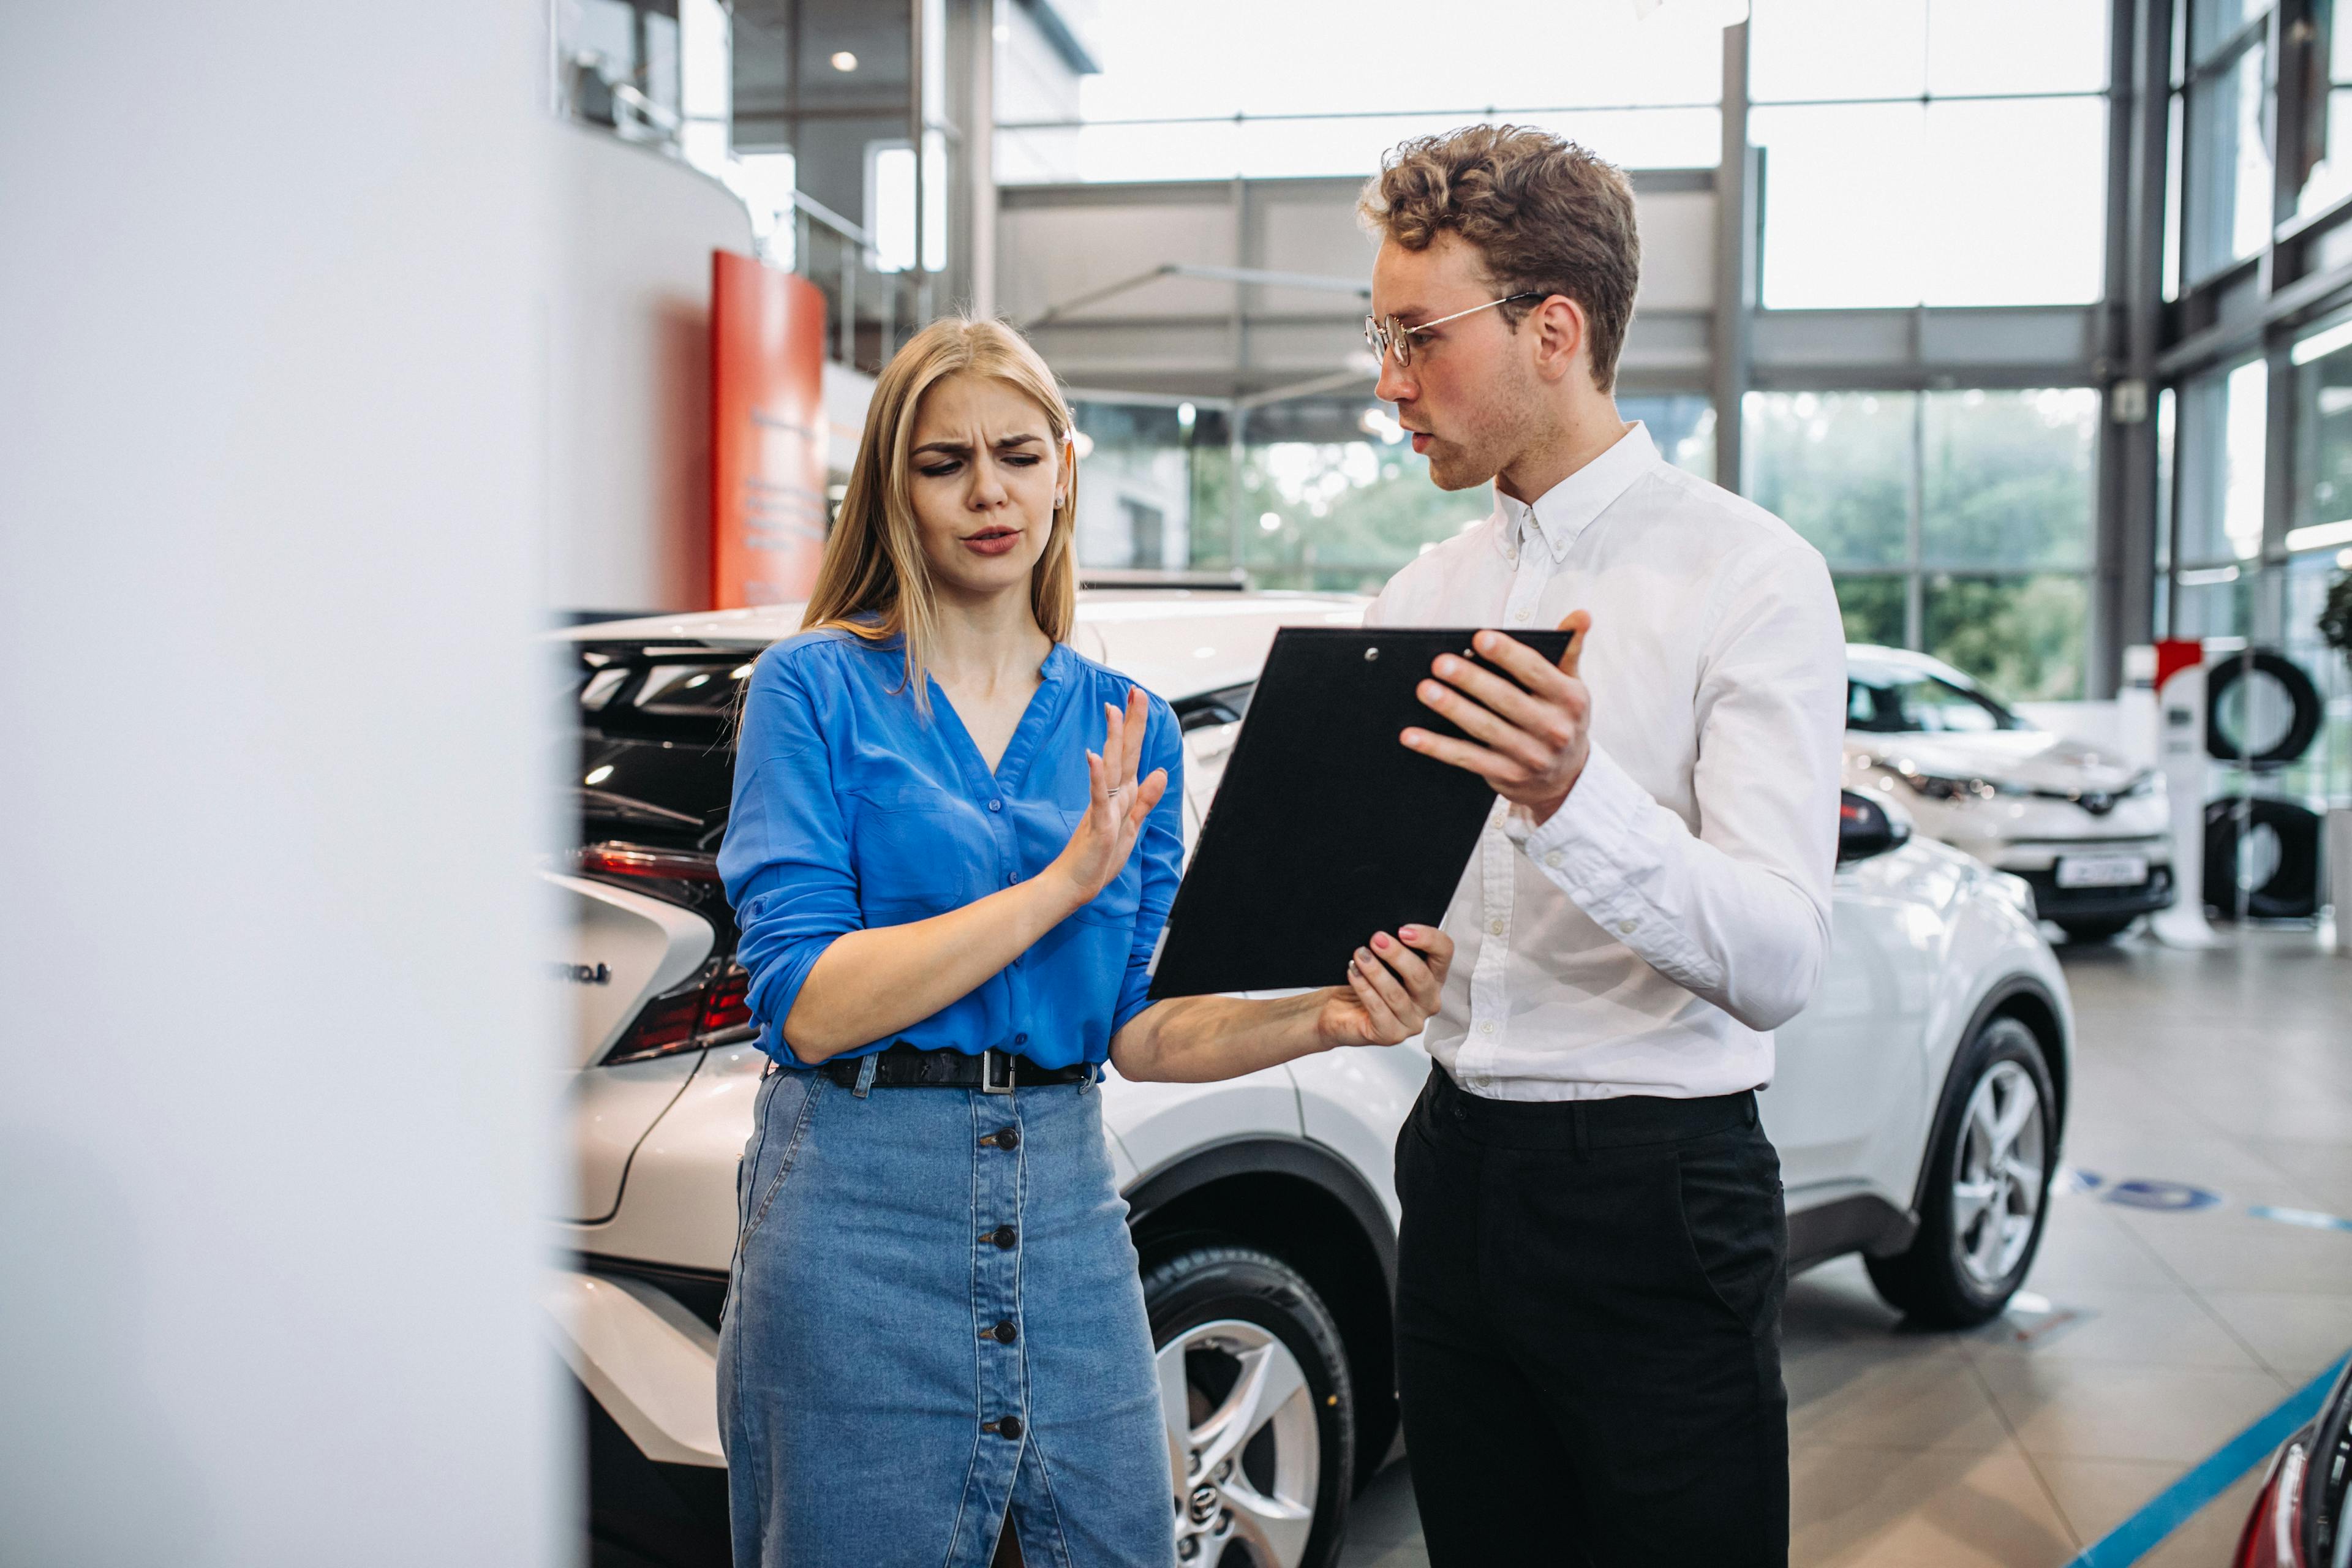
(2102, 870)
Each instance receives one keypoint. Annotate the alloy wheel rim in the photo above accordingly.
(1243, 1444)
(1997, 1179)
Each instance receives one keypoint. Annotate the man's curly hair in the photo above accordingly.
(1545, 216)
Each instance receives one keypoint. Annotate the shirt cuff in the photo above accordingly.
(1582, 846)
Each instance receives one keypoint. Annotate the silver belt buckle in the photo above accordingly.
(988, 1084)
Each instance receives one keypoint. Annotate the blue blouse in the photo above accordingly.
(851, 810)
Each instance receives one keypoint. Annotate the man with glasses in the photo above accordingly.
(1594, 1250)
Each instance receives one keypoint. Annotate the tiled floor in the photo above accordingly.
(2166, 1332)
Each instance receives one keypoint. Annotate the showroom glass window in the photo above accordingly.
(1252, 90)
(2217, 540)
(1901, 138)
(2228, 101)
(1892, 166)
(1323, 490)
(1332, 496)
(1959, 523)
(2317, 546)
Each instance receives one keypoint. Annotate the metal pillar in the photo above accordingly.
(2124, 532)
(1737, 179)
(1237, 417)
(978, 177)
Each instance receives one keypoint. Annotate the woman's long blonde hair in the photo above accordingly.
(875, 581)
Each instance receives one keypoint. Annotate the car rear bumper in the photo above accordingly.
(652, 1364)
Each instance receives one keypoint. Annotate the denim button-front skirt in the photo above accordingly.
(934, 1323)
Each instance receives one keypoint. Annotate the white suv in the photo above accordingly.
(1917, 1110)
(2089, 831)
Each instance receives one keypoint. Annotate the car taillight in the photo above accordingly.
(614, 859)
(2273, 1535)
(725, 1003)
(710, 1009)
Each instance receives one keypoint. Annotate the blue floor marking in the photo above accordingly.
(2312, 1218)
(2167, 1512)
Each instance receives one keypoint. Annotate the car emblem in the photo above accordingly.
(2098, 802)
(584, 973)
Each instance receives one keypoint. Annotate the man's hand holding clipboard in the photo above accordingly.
(1530, 740)
(1324, 828)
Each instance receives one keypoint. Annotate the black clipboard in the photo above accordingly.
(1326, 828)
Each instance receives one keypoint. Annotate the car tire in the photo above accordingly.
(1986, 1198)
(2289, 889)
(2105, 928)
(1270, 1408)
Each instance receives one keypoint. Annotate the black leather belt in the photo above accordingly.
(902, 1066)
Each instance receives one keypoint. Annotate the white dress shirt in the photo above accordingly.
(1675, 909)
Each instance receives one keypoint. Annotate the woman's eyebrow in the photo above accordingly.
(958, 449)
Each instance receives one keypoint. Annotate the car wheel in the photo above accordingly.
(2104, 929)
(1987, 1190)
(1254, 1385)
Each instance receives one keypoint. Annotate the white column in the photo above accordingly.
(275, 1130)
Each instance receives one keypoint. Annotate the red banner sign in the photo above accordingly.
(768, 434)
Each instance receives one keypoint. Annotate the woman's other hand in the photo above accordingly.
(1391, 989)
(1116, 804)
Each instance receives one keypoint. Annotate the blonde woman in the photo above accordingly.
(952, 846)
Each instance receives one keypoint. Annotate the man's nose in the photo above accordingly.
(1394, 386)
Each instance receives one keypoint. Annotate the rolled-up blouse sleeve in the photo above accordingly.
(785, 859)
(1161, 850)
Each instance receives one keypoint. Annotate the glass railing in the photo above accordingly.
(869, 311)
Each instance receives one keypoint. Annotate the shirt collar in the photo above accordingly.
(1563, 511)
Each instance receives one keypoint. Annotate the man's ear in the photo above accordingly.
(1563, 337)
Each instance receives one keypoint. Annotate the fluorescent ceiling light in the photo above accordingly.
(2320, 535)
(2319, 345)
(2208, 576)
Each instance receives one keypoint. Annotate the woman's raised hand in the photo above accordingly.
(1116, 804)
(1391, 989)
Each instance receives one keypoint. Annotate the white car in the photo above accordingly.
(1917, 1111)
(2090, 832)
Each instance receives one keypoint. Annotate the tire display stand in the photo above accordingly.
(2263, 850)
(2199, 726)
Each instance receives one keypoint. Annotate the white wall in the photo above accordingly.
(629, 461)
(274, 1135)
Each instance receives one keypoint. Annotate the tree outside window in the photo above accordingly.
(1956, 523)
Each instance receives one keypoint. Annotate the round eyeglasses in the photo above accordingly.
(1385, 335)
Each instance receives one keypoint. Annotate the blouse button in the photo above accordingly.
(1011, 877)
(1005, 1333)
(1004, 1236)
(1020, 1039)
(996, 805)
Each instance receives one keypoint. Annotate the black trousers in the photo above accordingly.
(1589, 1332)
